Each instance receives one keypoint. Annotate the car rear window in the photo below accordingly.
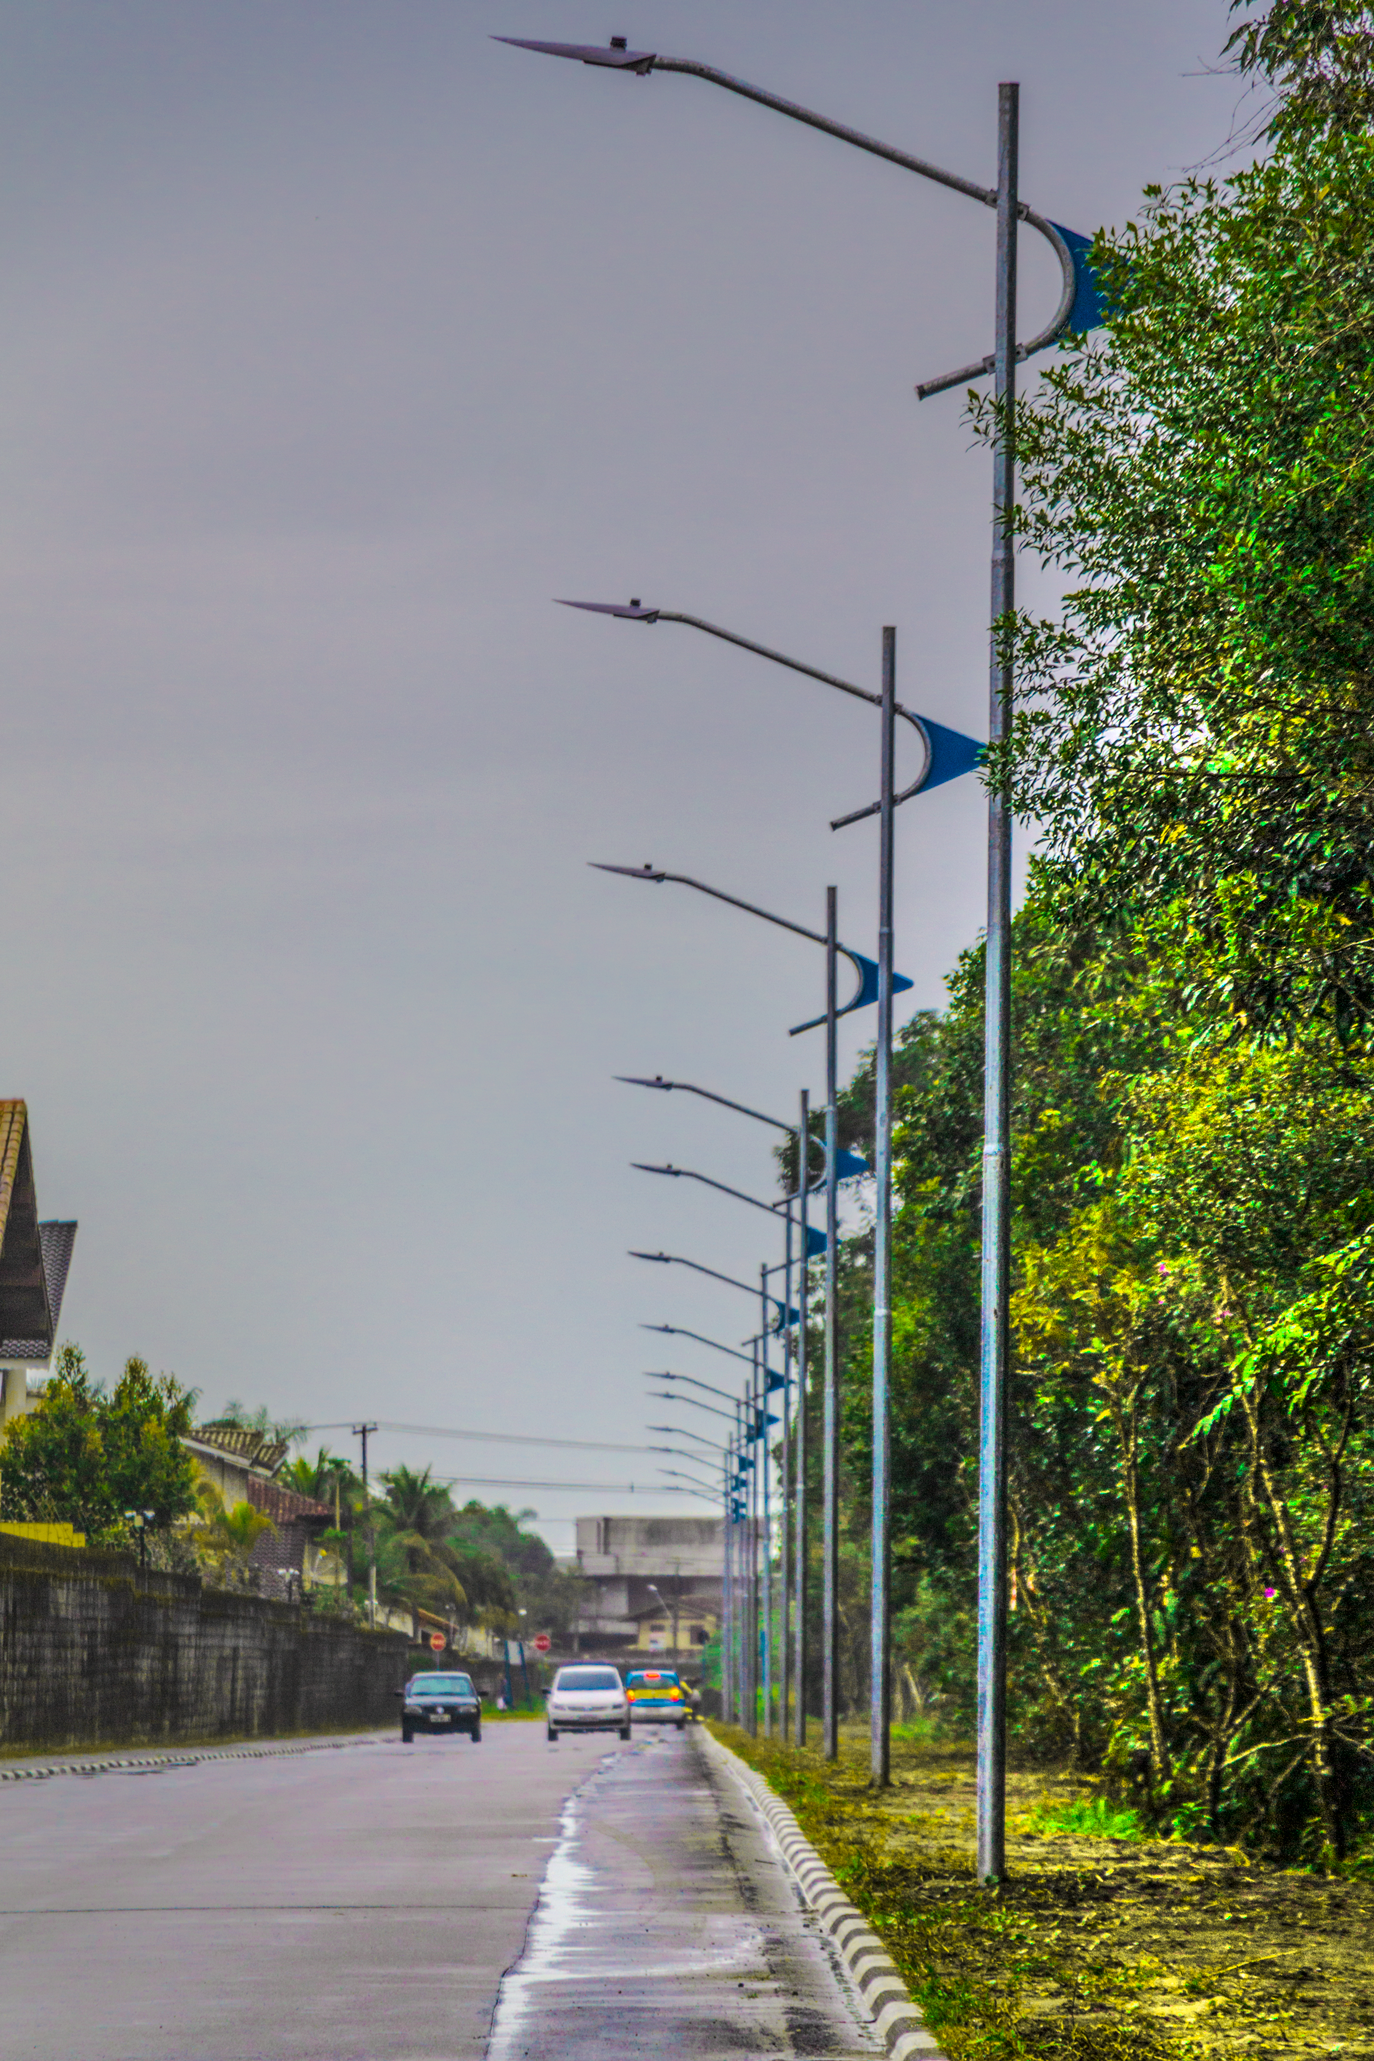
(647, 1678)
(440, 1685)
(587, 1678)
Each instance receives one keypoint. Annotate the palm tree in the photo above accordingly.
(416, 1567)
(415, 1503)
(224, 1537)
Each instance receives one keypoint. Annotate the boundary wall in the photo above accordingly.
(95, 1651)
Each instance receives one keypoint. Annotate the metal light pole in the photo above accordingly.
(785, 1583)
(803, 1303)
(766, 1470)
(730, 1698)
(880, 1656)
(996, 1260)
(830, 1493)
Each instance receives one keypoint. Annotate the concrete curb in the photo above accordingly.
(173, 1760)
(896, 2020)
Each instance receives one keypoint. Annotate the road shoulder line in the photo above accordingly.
(173, 1759)
(871, 1969)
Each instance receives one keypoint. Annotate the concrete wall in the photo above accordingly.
(93, 1653)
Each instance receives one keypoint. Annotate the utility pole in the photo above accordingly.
(361, 1431)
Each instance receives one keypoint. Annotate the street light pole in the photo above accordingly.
(799, 1463)
(785, 1572)
(766, 1469)
(996, 1257)
(880, 1660)
(729, 1687)
(830, 1505)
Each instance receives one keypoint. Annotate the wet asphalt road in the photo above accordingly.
(363, 1904)
(666, 1925)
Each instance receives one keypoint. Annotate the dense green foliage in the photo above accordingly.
(1192, 1451)
(84, 1457)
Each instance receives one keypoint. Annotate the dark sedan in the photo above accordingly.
(441, 1703)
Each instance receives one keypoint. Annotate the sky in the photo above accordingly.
(341, 339)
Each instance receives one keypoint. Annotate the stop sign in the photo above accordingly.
(542, 1643)
(437, 1642)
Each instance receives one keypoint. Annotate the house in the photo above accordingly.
(642, 1570)
(34, 1260)
(695, 1626)
(241, 1464)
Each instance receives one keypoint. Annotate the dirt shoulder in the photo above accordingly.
(1094, 1948)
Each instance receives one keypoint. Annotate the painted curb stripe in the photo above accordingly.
(896, 2018)
(171, 1760)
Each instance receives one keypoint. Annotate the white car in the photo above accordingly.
(588, 1699)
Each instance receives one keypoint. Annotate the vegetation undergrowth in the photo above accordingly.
(1103, 1943)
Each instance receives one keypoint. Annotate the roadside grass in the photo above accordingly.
(1103, 1943)
(1085, 1817)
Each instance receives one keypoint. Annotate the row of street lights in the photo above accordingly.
(1080, 308)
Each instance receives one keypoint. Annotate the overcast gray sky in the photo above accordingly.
(339, 340)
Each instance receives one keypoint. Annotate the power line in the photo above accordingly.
(610, 1488)
(497, 1438)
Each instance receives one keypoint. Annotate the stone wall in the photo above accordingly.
(94, 1652)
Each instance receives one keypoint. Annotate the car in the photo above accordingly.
(657, 1697)
(440, 1703)
(588, 1698)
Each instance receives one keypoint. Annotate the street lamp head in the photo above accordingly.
(639, 1080)
(642, 1167)
(666, 1258)
(615, 55)
(644, 872)
(632, 612)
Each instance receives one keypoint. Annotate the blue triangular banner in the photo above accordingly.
(868, 969)
(1091, 308)
(951, 756)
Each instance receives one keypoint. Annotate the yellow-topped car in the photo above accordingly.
(657, 1697)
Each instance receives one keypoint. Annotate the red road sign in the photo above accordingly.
(542, 1643)
(437, 1642)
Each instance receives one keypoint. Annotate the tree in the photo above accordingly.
(1194, 730)
(84, 1457)
(226, 1536)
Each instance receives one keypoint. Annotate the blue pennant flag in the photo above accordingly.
(848, 1165)
(1091, 308)
(776, 1381)
(951, 755)
(815, 1242)
(868, 985)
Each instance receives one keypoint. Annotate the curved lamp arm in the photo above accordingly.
(867, 969)
(1068, 246)
(635, 613)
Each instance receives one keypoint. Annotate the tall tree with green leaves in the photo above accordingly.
(84, 1457)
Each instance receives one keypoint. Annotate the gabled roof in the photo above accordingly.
(34, 1257)
(253, 1450)
(284, 1505)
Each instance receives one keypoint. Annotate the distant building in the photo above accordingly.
(641, 1574)
(241, 1465)
(34, 1259)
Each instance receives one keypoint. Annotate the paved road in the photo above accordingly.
(667, 1926)
(363, 1904)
